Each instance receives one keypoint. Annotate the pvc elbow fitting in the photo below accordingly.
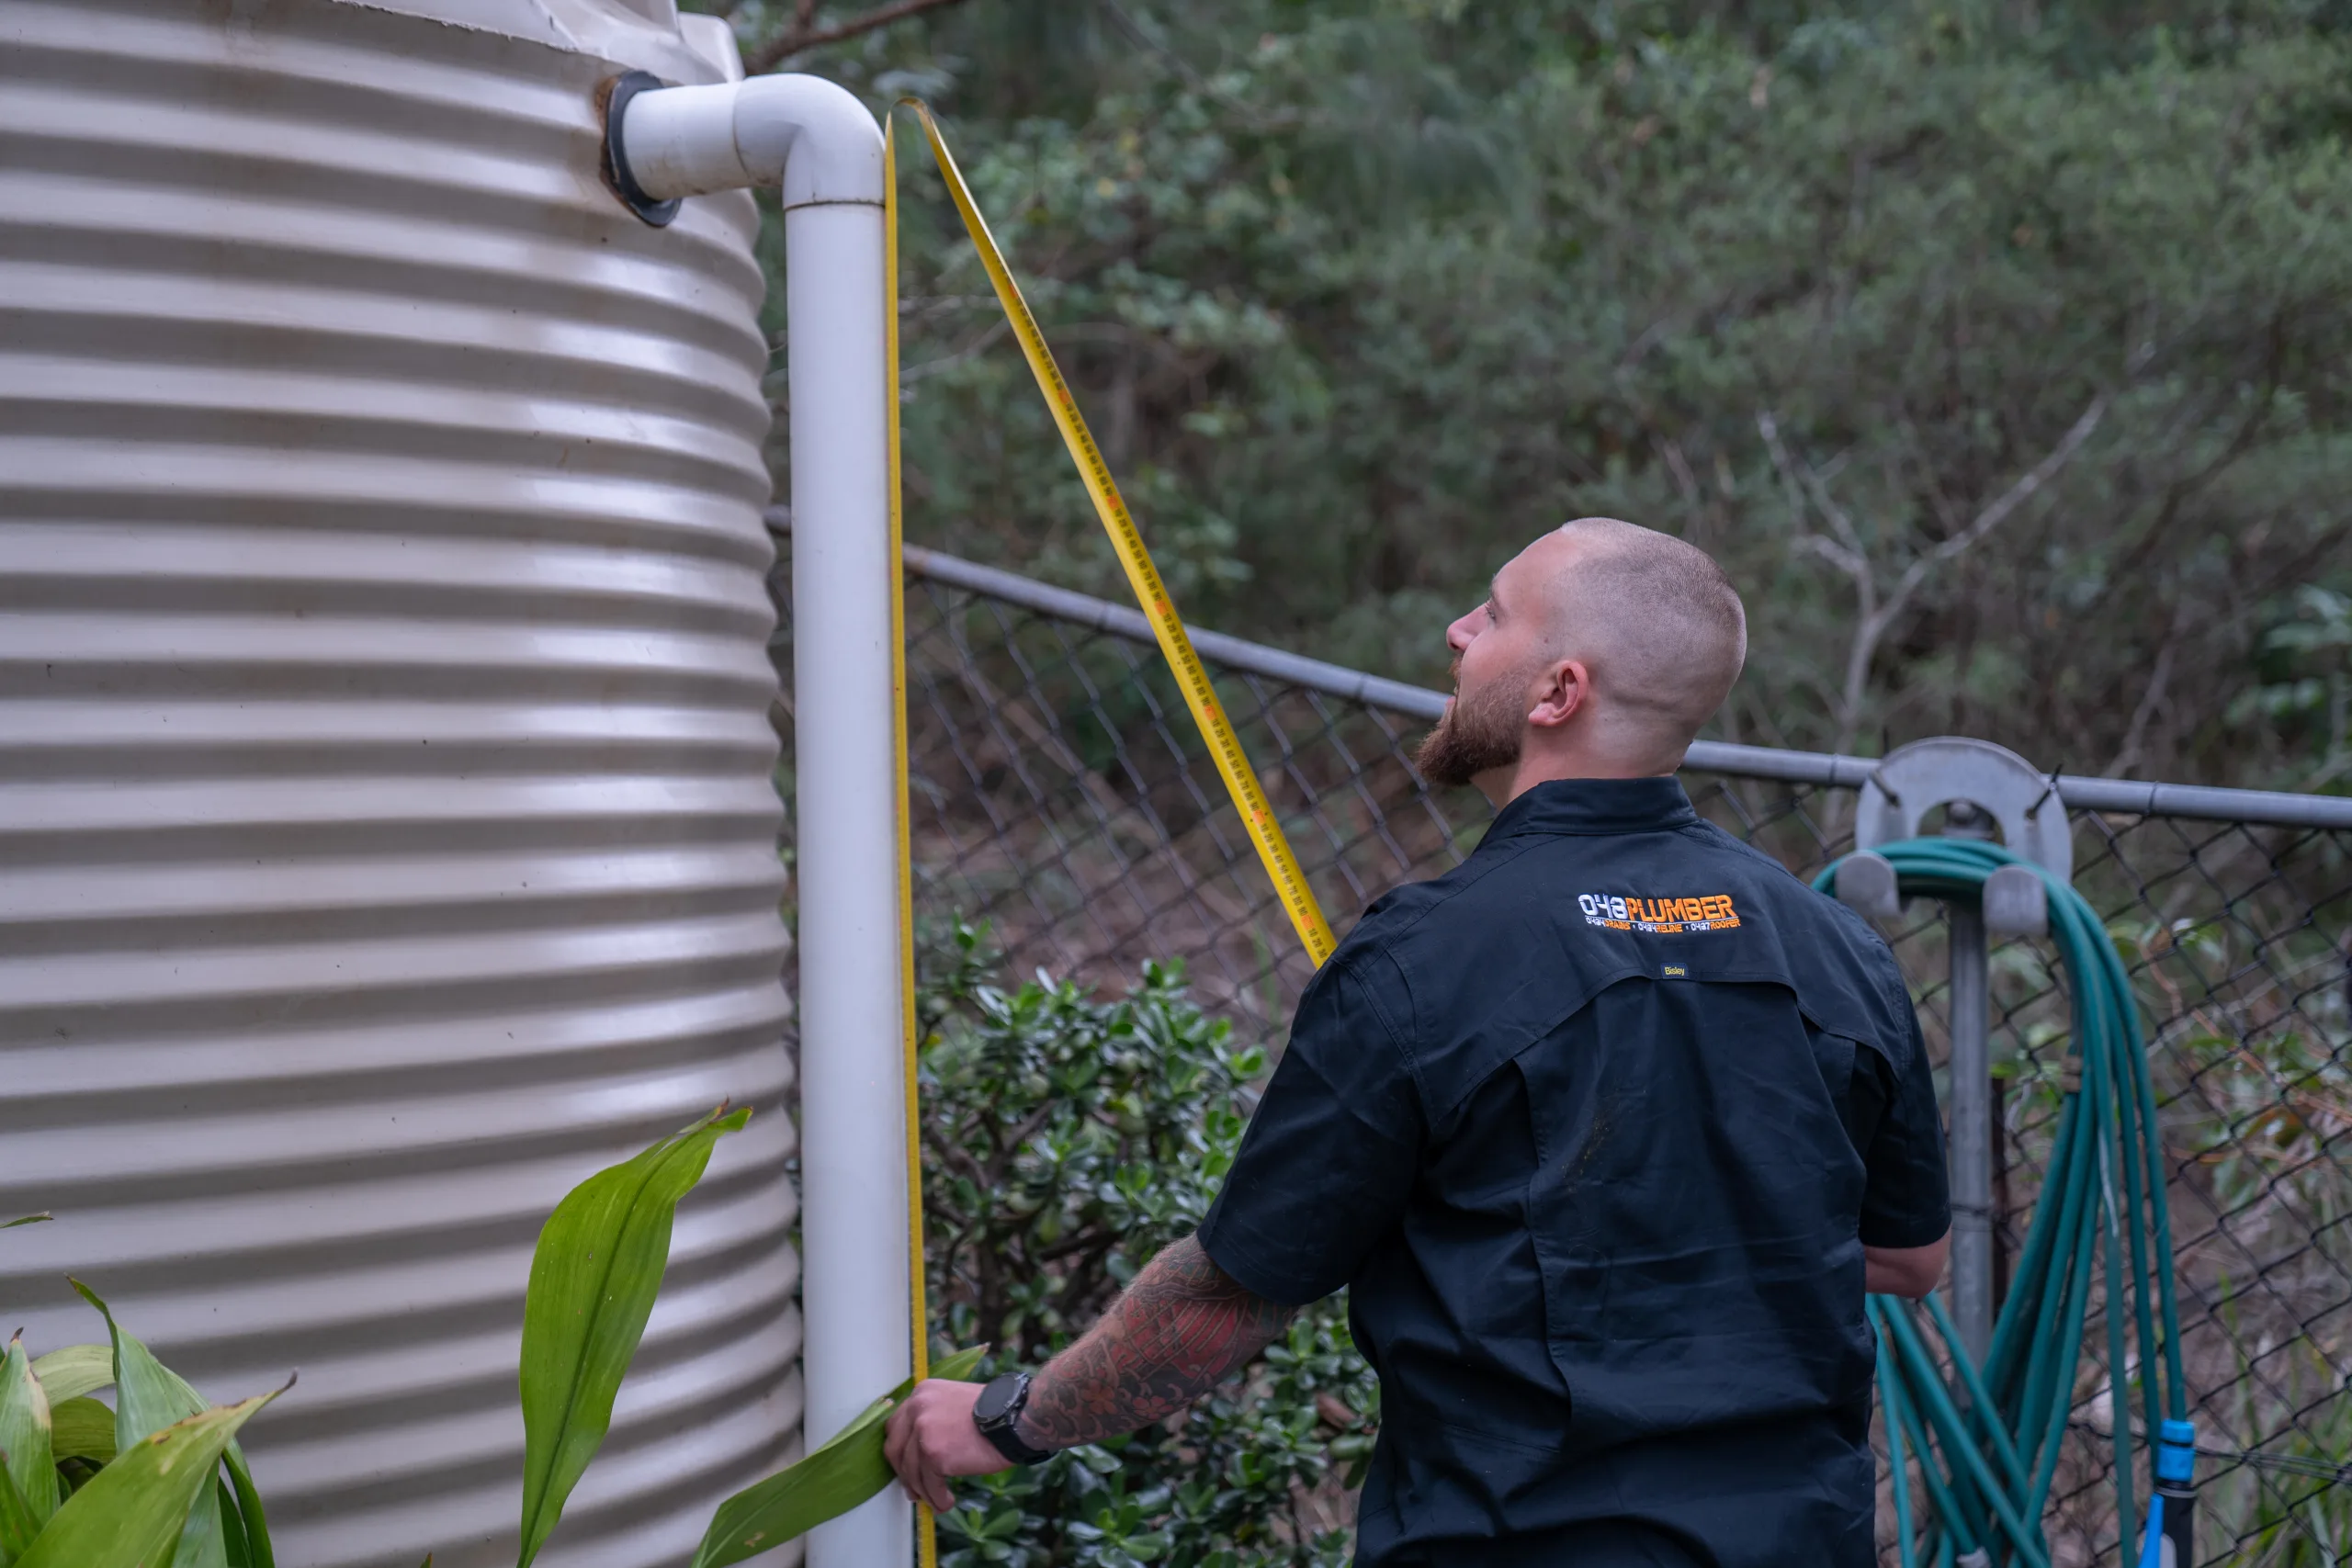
(804, 134)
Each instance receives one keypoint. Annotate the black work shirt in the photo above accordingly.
(1595, 1128)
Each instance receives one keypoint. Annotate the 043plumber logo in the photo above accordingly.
(1668, 916)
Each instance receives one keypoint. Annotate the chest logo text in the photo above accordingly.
(1666, 917)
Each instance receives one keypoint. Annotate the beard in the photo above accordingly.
(1479, 733)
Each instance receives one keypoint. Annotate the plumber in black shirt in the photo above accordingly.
(1605, 1132)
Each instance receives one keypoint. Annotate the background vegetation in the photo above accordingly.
(2000, 347)
(1066, 1139)
(1997, 348)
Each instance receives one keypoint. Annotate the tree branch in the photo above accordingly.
(1141, 39)
(1010, 1147)
(1847, 550)
(804, 36)
(1993, 517)
(957, 1155)
(1874, 614)
(1846, 554)
(1679, 467)
(2150, 699)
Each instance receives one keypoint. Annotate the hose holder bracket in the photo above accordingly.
(1913, 780)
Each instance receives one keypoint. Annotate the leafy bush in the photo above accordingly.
(156, 1479)
(159, 1479)
(1066, 1139)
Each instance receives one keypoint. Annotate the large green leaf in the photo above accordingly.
(17, 1526)
(593, 1277)
(133, 1513)
(845, 1472)
(148, 1397)
(234, 1546)
(74, 1372)
(245, 1506)
(25, 1433)
(82, 1428)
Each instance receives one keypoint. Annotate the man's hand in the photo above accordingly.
(931, 1437)
(1904, 1271)
(1176, 1332)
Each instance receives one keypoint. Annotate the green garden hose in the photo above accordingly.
(1986, 1439)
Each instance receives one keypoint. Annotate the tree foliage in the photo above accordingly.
(2000, 350)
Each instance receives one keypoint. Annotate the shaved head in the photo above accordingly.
(1660, 625)
(1654, 628)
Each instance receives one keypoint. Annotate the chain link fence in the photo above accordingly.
(1062, 796)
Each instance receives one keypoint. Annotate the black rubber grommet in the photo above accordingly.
(633, 196)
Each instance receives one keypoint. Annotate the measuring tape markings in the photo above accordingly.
(919, 1308)
(1193, 679)
(1225, 747)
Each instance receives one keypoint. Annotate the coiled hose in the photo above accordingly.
(1987, 1439)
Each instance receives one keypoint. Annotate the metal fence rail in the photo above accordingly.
(1062, 797)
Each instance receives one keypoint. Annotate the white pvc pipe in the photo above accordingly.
(807, 136)
(818, 143)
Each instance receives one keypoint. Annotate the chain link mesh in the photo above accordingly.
(1061, 797)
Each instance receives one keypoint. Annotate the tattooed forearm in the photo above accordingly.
(1173, 1336)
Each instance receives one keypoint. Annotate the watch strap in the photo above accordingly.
(1002, 1428)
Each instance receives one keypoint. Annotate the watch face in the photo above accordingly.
(996, 1398)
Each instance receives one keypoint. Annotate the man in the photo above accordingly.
(1606, 1131)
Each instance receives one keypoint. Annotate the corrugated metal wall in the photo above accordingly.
(386, 820)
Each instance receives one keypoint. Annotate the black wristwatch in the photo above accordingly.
(998, 1415)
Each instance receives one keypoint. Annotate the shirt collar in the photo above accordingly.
(1595, 806)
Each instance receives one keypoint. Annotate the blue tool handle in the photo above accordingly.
(2171, 1541)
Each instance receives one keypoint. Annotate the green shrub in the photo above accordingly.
(1066, 1139)
(157, 1479)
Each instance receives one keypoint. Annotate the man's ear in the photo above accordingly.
(1565, 687)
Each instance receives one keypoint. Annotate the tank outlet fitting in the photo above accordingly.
(810, 137)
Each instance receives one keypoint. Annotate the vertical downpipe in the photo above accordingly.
(816, 141)
(853, 1132)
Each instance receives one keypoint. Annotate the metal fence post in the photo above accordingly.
(1971, 1109)
(1979, 785)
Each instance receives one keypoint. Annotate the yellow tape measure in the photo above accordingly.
(1225, 747)
(926, 1528)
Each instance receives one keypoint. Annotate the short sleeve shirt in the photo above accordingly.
(1595, 1128)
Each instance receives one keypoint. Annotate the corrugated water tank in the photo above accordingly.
(387, 822)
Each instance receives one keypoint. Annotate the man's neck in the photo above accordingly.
(1503, 785)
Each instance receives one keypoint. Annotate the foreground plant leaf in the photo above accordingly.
(74, 1372)
(17, 1526)
(82, 1428)
(825, 1484)
(150, 1397)
(233, 1546)
(25, 1435)
(132, 1514)
(593, 1276)
(246, 1503)
(26, 1219)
